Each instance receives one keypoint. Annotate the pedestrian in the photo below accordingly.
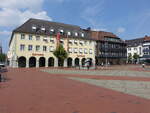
(143, 65)
(102, 64)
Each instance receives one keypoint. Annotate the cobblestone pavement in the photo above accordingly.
(141, 89)
(136, 83)
(101, 72)
(33, 91)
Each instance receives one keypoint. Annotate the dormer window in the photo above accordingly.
(51, 30)
(69, 33)
(33, 27)
(61, 31)
(43, 28)
(76, 34)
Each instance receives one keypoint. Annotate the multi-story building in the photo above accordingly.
(139, 46)
(32, 44)
(110, 48)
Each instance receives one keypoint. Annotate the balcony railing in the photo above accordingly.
(112, 56)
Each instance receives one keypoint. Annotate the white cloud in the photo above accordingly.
(5, 32)
(121, 30)
(34, 5)
(16, 17)
(15, 12)
(92, 11)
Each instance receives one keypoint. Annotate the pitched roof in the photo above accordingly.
(137, 41)
(27, 28)
(100, 35)
(147, 38)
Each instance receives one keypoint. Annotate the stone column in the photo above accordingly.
(65, 63)
(56, 62)
(37, 63)
(80, 64)
(27, 63)
(73, 63)
(46, 62)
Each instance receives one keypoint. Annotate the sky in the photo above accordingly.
(127, 19)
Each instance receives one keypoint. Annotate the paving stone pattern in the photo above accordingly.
(141, 89)
(100, 72)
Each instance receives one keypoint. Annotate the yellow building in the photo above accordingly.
(32, 45)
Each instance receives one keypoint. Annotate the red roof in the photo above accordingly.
(100, 35)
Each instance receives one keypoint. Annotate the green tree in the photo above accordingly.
(135, 57)
(2, 57)
(61, 54)
(129, 58)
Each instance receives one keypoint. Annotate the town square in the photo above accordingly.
(82, 56)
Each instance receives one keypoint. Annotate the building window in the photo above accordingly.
(82, 34)
(44, 48)
(22, 36)
(22, 47)
(37, 38)
(80, 50)
(37, 48)
(129, 49)
(140, 49)
(69, 33)
(135, 48)
(76, 34)
(75, 50)
(70, 50)
(30, 37)
(45, 39)
(52, 30)
(51, 48)
(90, 51)
(71, 42)
(82, 42)
(51, 39)
(76, 42)
(29, 47)
(85, 51)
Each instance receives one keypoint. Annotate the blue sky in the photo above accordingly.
(126, 18)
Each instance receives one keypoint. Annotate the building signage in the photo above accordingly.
(80, 55)
(35, 54)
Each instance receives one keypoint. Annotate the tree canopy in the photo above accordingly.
(135, 56)
(2, 57)
(61, 54)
